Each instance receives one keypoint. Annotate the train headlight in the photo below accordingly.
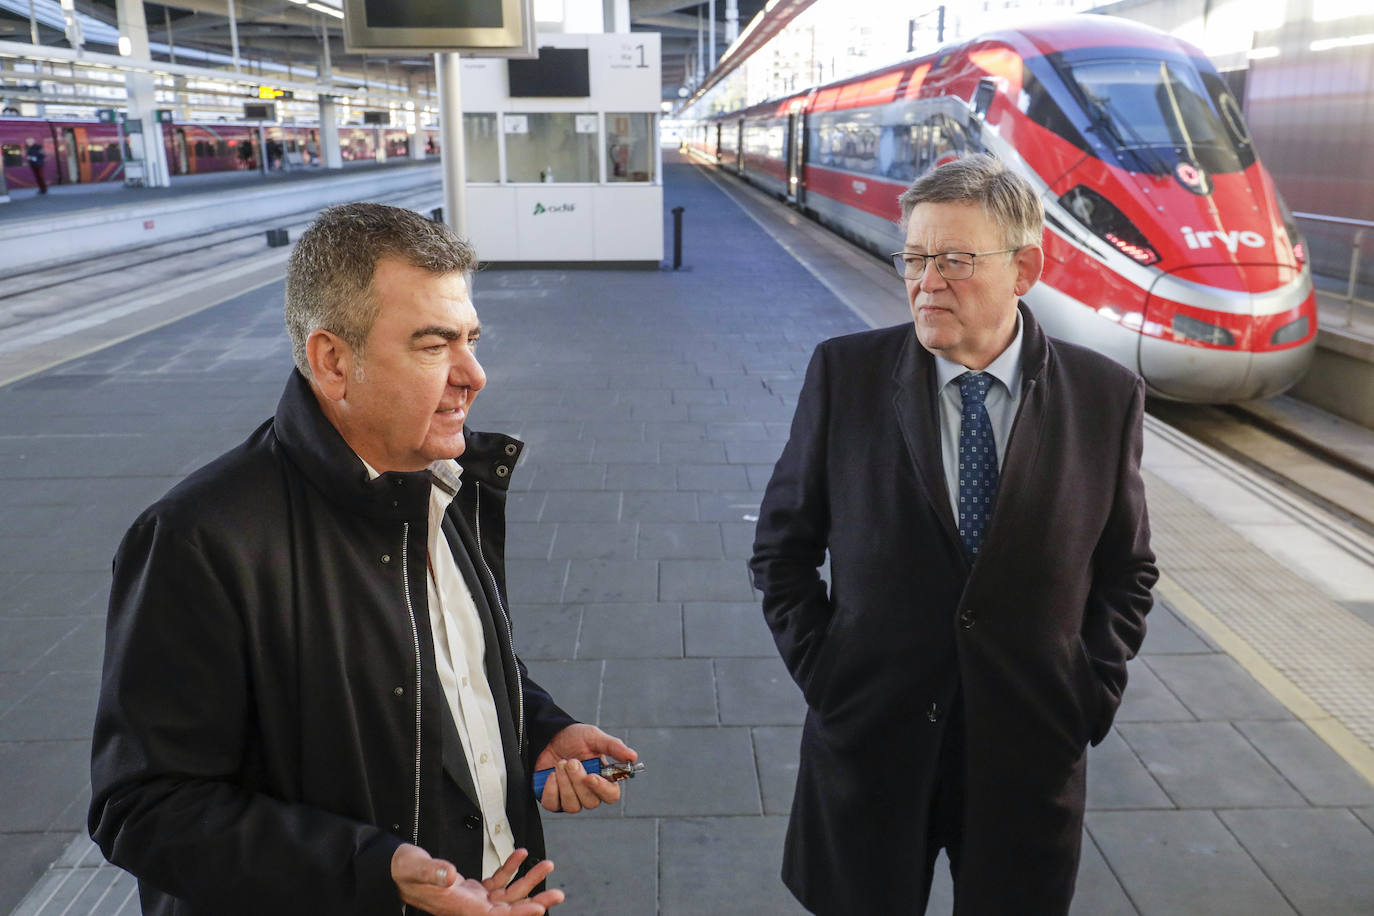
(1293, 331)
(1193, 329)
(1102, 216)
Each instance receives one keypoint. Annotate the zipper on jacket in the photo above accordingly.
(415, 638)
(510, 636)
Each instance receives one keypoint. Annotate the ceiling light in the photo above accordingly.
(1326, 44)
(329, 10)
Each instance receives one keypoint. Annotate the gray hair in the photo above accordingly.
(329, 275)
(1005, 196)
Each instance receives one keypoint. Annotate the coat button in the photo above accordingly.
(472, 822)
(933, 713)
(386, 558)
(511, 449)
(399, 691)
(967, 618)
(502, 470)
(396, 828)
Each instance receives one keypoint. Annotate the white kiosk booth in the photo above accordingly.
(563, 162)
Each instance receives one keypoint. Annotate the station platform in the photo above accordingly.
(27, 203)
(76, 225)
(1238, 779)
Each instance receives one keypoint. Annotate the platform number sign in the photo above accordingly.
(630, 57)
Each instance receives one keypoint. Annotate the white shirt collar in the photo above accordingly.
(1006, 368)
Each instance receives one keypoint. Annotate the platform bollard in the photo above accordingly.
(677, 237)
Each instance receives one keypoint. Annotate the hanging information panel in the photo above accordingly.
(483, 28)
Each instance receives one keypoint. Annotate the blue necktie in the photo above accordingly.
(977, 462)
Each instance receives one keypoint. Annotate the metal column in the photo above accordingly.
(142, 96)
(452, 154)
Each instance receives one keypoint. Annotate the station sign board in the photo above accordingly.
(259, 111)
(271, 92)
(476, 28)
(163, 116)
(106, 115)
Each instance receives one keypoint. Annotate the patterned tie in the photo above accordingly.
(977, 462)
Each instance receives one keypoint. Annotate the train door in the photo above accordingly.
(179, 147)
(796, 159)
(790, 148)
(72, 158)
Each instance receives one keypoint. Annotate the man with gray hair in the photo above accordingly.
(977, 487)
(311, 702)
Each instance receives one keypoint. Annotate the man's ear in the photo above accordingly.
(1030, 261)
(331, 363)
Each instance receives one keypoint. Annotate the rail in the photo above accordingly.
(1361, 225)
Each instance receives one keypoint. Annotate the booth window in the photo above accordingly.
(480, 149)
(551, 147)
(629, 147)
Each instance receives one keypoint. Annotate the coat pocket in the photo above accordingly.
(817, 687)
(1090, 693)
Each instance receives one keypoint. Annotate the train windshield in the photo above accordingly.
(1152, 114)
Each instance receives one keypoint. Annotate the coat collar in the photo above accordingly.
(325, 458)
(916, 402)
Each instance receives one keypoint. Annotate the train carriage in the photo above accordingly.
(1167, 246)
(77, 152)
(86, 151)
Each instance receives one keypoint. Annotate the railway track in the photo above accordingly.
(1332, 479)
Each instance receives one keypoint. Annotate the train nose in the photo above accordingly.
(1236, 344)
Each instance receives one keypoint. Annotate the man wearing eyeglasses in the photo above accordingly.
(977, 487)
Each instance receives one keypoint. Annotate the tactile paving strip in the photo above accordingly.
(1322, 648)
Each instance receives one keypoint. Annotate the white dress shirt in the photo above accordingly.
(459, 655)
(1002, 402)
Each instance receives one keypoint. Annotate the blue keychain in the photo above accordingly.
(615, 772)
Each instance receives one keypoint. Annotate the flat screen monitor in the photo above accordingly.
(557, 73)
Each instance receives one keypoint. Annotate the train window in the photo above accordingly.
(1229, 107)
(1041, 108)
(480, 149)
(629, 146)
(559, 147)
(1156, 113)
(948, 141)
(222, 148)
(202, 149)
(94, 154)
(111, 152)
(13, 155)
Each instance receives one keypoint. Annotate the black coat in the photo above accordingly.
(270, 725)
(1033, 639)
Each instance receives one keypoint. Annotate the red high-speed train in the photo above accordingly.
(86, 151)
(1167, 246)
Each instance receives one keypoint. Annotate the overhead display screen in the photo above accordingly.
(491, 28)
(433, 14)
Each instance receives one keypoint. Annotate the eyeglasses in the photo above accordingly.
(952, 265)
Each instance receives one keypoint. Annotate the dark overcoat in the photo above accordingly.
(1033, 639)
(271, 725)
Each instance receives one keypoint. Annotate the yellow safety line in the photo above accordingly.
(1354, 751)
